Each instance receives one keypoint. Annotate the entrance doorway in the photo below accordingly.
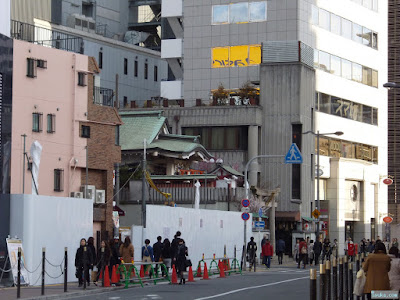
(349, 230)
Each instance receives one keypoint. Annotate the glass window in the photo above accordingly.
(324, 61)
(220, 13)
(232, 138)
(324, 103)
(374, 40)
(346, 28)
(336, 65)
(324, 19)
(314, 15)
(51, 123)
(367, 37)
(348, 150)
(375, 5)
(258, 11)
(346, 69)
(335, 24)
(367, 76)
(217, 138)
(316, 101)
(238, 12)
(355, 112)
(336, 106)
(374, 78)
(367, 4)
(367, 114)
(374, 116)
(356, 72)
(316, 58)
(357, 33)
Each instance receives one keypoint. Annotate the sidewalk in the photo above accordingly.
(55, 291)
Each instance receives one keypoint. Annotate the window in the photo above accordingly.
(336, 67)
(374, 40)
(136, 68)
(324, 61)
(238, 12)
(315, 15)
(257, 11)
(31, 68)
(37, 122)
(220, 13)
(316, 58)
(125, 101)
(100, 59)
(325, 103)
(346, 29)
(40, 63)
(82, 79)
(356, 72)
(367, 37)
(335, 24)
(296, 174)
(58, 180)
(346, 69)
(367, 114)
(117, 135)
(367, 76)
(51, 123)
(357, 33)
(374, 116)
(155, 73)
(374, 78)
(85, 131)
(367, 4)
(324, 19)
(125, 66)
(146, 70)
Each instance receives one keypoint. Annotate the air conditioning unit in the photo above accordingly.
(76, 195)
(82, 22)
(88, 191)
(100, 196)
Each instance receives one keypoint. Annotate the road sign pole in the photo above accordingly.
(317, 204)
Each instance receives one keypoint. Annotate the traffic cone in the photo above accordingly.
(106, 278)
(228, 265)
(101, 274)
(141, 271)
(205, 275)
(114, 277)
(174, 277)
(190, 276)
(198, 273)
(221, 270)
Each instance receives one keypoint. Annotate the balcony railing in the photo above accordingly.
(46, 37)
(103, 96)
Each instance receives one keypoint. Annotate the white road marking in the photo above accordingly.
(251, 288)
(114, 298)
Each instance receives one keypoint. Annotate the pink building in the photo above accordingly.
(50, 99)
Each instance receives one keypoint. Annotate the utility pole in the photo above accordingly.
(144, 185)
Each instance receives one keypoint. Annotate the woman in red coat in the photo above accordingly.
(267, 252)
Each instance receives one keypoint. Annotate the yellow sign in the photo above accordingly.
(316, 213)
(236, 56)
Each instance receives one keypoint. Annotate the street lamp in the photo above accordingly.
(318, 134)
(391, 85)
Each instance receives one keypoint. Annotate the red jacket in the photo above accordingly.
(267, 249)
(302, 245)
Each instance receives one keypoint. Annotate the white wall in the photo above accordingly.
(54, 223)
(5, 17)
(208, 239)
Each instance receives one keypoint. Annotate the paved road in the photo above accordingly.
(276, 283)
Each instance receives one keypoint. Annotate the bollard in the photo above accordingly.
(234, 252)
(322, 282)
(363, 255)
(313, 284)
(84, 267)
(328, 279)
(65, 268)
(351, 280)
(358, 269)
(19, 274)
(334, 278)
(346, 278)
(43, 268)
(340, 292)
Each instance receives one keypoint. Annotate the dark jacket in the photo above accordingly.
(157, 250)
(93, 251)
(251, 248)
(114, 258)
(166, 251)
(317, 247)
(181, 258)
(103, 257)
(280, 246)
(83, 256)
(174, 247)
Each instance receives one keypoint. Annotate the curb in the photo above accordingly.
(77, 293)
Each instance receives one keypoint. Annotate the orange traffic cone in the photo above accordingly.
(141, 271)
(114, 277)
(174, 277)
(205, 275)
(221, 271)
(101, 274)
(198, 273)
(106, 278)
(190, 276)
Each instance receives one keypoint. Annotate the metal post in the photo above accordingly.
(43, 268)
(334, 278)
(23, 166)
(351, 280)
(19, 274)
(340, 278)
(65, 268)
(328, 279)
(84, 267)
(322, 282)
(144, 185)
(313, 284)
(346, 278)
(234, 252)
(87, 172)
(317, 204)
(358, 268)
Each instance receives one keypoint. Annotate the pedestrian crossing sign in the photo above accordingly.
(315, 213)
(294, 155)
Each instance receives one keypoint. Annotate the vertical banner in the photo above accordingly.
(12, 247)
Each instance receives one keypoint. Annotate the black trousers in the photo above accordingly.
(317, 258)
(302, 258)
(82, 274)
(280, 257)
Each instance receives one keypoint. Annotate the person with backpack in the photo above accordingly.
(303, 253)
(147, 252)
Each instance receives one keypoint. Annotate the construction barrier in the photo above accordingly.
(128, 268)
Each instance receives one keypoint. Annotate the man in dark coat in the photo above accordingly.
(317, 250)
(280, 249)
(251, 252)
(157, 251)
(83, 261)
(174, 246)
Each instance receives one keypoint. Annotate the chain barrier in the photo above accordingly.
(35, 269)
(56, 266)
(9, 270)
(62, 273)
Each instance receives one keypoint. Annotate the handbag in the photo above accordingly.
(188, 263)
(360, 283)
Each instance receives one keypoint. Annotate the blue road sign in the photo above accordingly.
(259, 224)
(245, 202)
(260, 212)
(245, 216)
(293, 156)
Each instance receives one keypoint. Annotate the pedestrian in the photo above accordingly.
(303, 253)
(166, 256)
(181, 261)
(251, 252)
(174, 246)
(335, 248)
(310, 252)
(147, 252)
(371, 246)
(157, 250)
(394, 273)
(395, 243)
(296, 251)
(267, 252)
(387, 245)
(92, 249)
(350, 249)
(103, 259)
(377, 267)
(264, 240)
(363, 246)
(280, 249)
(317, 248)
(115, 255)
(83, 261)
(127, 251)
(326, 250)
